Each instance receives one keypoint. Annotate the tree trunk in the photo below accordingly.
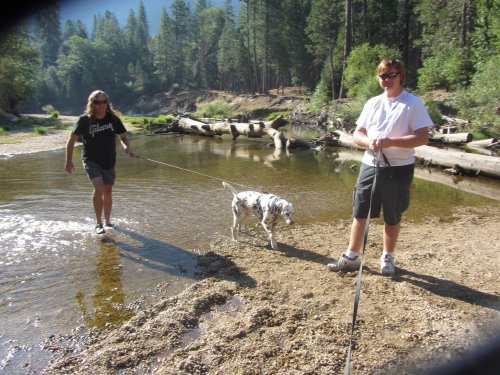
(455, 138)
(472, 163)
(481, 187)
(485, 146)
(347, 43)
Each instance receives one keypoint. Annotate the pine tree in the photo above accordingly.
(19, 64)
(48, 34)
(163, 53)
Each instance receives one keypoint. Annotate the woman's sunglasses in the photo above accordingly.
(100, 102)
(386, 76)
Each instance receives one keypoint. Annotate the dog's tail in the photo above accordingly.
(226, 185)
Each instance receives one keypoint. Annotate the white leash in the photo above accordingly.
(198, 173)
(357, 291)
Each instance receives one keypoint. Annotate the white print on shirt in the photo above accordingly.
(96, 128)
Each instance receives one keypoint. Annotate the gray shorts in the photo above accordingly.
(392, 192)
(95, 170)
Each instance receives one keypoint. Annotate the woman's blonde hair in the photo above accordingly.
(89, 110)
(388, 63)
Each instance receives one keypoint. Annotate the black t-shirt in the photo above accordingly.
(99, 138)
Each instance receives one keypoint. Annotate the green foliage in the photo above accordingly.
(275, 115)
(361, 71)
(48, 109)
(447, 70)
(40, 130)
(164, 119)
(347, 111)
(480, 102)
(477, 135)
(320, 98)
(18, 69)
(433, 109)
(215, 109)
(54, 115)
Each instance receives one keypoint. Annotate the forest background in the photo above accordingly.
(327, 49)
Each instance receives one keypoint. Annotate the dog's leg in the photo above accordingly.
(235, 229)
(268, 225)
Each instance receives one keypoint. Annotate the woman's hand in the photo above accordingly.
(129, 152)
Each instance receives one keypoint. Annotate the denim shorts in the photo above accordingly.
(392, 192)
(94, 170)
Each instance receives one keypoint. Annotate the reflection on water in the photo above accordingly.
(108, 300)
(57, 275)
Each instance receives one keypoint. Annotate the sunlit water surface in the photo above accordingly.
(56, 275)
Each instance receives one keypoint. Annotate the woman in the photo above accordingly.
(390, 126)
(98, 128)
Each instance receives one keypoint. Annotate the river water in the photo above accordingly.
(57, 276)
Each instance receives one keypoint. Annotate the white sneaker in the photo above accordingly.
(99, 229)
(344, 263)
(109, 226)
(387, 265)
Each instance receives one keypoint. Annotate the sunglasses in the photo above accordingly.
(100, 102)
(386, 76)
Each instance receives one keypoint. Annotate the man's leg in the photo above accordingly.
(357, 234)
(97, 198)
(107, 196)
(391, 233)
(349, 260)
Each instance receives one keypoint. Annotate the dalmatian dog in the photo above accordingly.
(267, 207)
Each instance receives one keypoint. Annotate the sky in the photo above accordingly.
(86, 9)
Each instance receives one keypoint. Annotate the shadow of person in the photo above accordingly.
(221, 267)
(175, 261)
(303, 254)
(157, 255)
(450, 289)
(108, 299)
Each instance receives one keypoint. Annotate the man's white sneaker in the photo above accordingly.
(387, 265)
(99, 229)
(109, 226)
(344, 263)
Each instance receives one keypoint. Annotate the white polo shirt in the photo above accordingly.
(384, 117)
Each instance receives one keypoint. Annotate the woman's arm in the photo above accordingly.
(70, 146)
(126, 144)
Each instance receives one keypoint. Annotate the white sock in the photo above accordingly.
(351, 254)
(385, 252)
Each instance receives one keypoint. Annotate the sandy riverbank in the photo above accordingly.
(262, 311)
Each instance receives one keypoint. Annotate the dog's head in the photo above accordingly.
(287, 211)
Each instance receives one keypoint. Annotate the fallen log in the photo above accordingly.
(478, 164)
(235, 129)
(455, 121)
(195, 126)
(489, 146)
(431, 156)
(301, 144)
(480, 186)
(452, 138)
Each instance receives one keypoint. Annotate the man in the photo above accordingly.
(98, 129)
(390, 126)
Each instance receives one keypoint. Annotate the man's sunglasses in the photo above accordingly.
(385, 76)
